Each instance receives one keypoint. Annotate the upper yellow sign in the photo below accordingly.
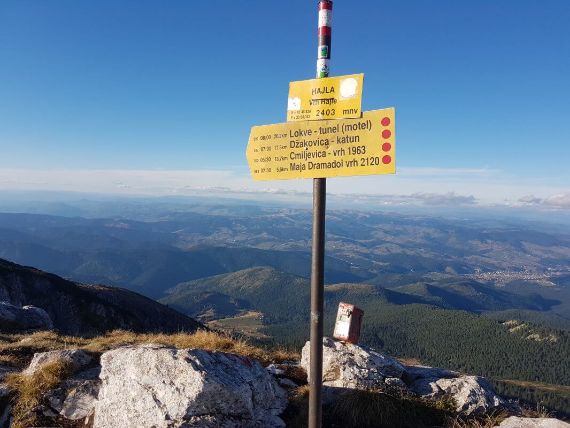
(324, 148)
(328, 98)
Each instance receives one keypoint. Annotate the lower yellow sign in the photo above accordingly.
(324, 148)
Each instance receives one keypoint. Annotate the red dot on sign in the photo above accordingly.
(386, 147)
(386, 160)
(386, 133)
(385, 121)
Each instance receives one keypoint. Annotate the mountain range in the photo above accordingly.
(479, 295)
(273, 292)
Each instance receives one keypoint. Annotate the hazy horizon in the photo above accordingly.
(152, 99)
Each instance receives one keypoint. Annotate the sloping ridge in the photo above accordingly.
(275, 293)
(280, 296)
(80, 309)
(473, 296)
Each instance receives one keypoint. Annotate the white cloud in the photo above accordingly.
(448, 172)
(560, 201)
(425, 186)
(450, 198)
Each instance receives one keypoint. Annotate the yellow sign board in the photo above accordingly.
(324, 148)
(328, 98)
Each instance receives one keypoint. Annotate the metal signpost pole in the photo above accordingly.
(324, 114)
(318, 250)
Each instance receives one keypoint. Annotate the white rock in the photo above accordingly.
(274, 370)
(40, 315)
(471, 394)
(352, 366)
(516, 422)
(25, 318)
(76, 357)
(427, 388)
(75, 398)
(395, 382)
(80, 401)
(80, 394)
(157, 386)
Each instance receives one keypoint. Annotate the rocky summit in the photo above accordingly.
(163, 386)
(347, 366)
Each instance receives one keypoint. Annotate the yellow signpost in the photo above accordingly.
(327, 98)
(326, 135)
(324, 148)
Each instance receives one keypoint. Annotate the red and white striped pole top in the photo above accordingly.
(325, 30)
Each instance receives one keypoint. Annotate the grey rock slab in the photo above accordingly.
(158, 386)
(78, 358)
(80, 400)
(426, 388)
(26, 318)
(353, 366)
(517, 422)
(395, 382)
(274, 370)
(75, 398)
(471, 394)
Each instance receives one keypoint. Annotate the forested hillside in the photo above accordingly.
(407, 325)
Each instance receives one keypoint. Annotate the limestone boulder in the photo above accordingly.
(77, 358)
(517, 422)
(471, 394)
(158, 386)
(21, 319)
(352, 366)
(349, 366)
(75, 398)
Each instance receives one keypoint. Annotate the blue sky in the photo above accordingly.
(481, 91)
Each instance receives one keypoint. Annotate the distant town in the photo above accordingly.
(503, 277)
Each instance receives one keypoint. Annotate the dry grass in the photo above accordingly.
(368, 409)
(380, 409)
(19, 349)
(9, 360)
(377, 409)
(201, 339)
(409, 361)
(538, 412)
(28, 390)
(557, 389)
(297, 411)
(486, 421)
(248, 324)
